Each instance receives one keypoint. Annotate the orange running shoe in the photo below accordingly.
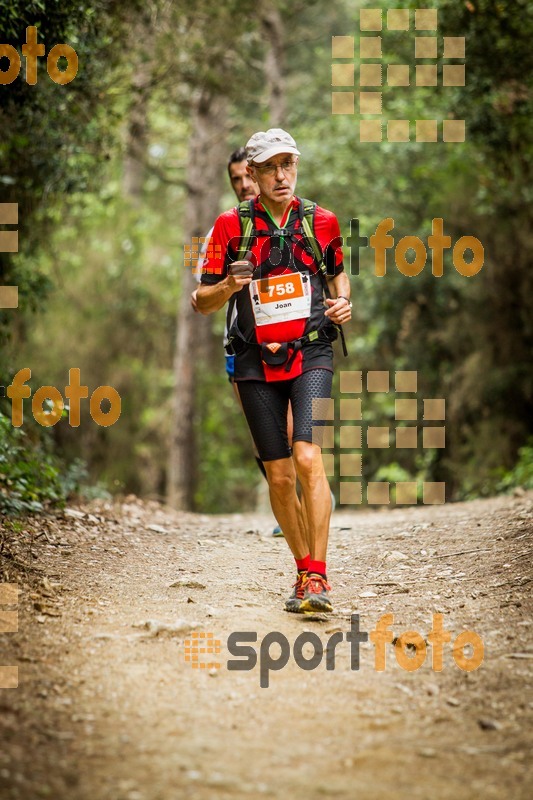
(295, 600)
(315, 596)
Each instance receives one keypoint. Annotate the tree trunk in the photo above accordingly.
(204, 184)
(272, 29)
(137, 133)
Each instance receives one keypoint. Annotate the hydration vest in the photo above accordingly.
(276, 354)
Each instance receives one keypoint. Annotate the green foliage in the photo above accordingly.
(117, 270)
(33, 477)
(57, 137)
(30, 476)
(522, 473)
(226, 472)
(100, 278)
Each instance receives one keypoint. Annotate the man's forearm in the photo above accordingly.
(341, 284)
(212, 297)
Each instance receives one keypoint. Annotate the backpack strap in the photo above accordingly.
(307, 211)
(245, 211)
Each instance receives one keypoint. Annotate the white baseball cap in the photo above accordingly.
(265, 144)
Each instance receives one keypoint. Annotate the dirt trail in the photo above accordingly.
(108, 710)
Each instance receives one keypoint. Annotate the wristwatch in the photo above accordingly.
(342, 297)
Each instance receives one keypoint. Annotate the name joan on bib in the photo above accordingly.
(281, 298)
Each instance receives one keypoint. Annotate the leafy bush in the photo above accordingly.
(29, 474)
(32, 477)
(522, 473)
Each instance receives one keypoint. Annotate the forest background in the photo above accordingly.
(115, 172)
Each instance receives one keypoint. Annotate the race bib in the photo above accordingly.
(281, 298)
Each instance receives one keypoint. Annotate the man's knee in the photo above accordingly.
(281, 475)
(308, 460)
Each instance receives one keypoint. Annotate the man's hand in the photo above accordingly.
(241, 269)
(212, 298)
(239, 275)
(339, 310)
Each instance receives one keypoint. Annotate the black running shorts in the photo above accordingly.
(265, 406)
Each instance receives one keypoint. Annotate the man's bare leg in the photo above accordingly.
(281, 476)
(316, 497)
(317, 501)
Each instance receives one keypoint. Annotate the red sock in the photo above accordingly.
(317, 566)
(303, 563)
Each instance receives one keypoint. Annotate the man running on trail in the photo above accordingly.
(245, 188)
(281, 288)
